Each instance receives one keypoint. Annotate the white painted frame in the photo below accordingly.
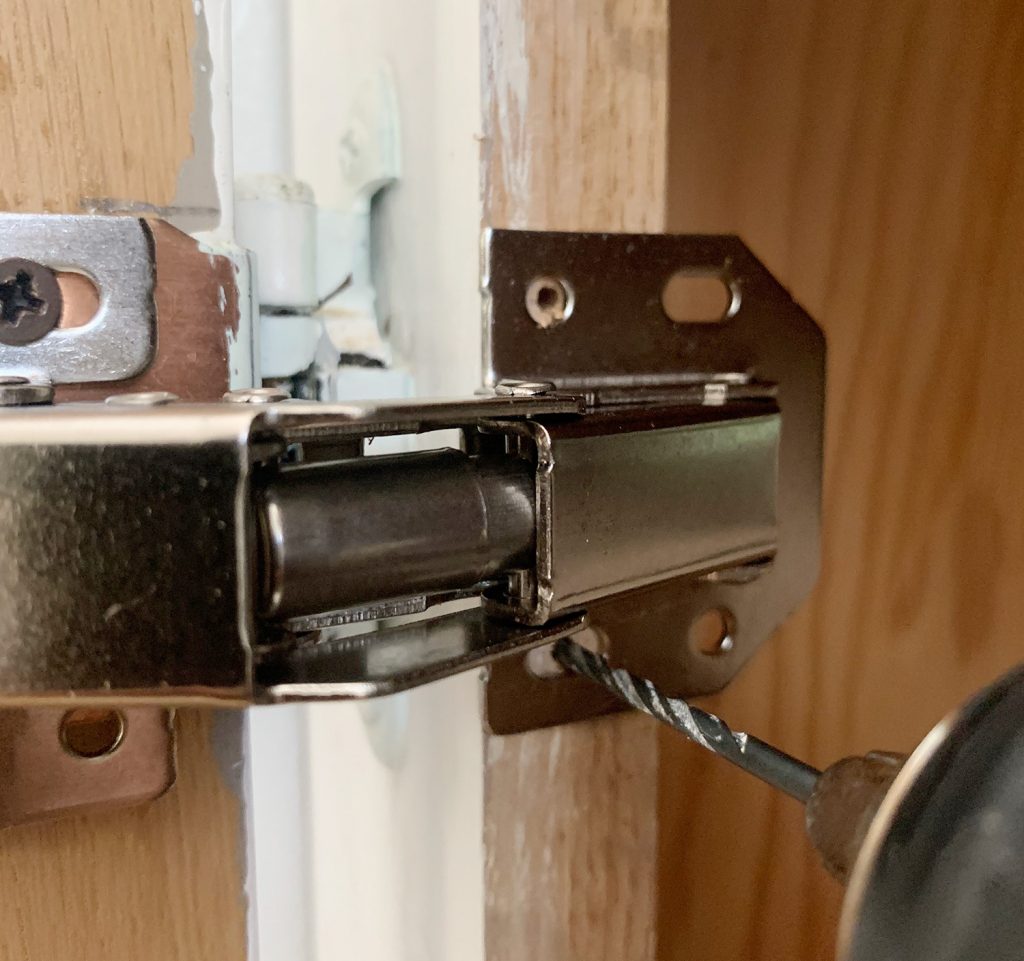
(374, 847)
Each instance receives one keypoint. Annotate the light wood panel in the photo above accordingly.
(95, 98)
(574, 139)
(871, 155)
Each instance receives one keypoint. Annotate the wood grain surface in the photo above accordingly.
(95, 98)
(574, 139)
(872, 154)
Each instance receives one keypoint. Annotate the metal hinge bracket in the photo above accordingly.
(624, 477)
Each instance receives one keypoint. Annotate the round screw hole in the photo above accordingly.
(711, 633)
(689, 298)
(81, 298)
(92, 732)
(549, 301)
(541, 663)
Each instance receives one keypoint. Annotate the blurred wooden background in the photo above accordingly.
(872, 154)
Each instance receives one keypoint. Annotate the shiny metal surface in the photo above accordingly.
(309, 422)
(368, 529)
(131, 532)
(257, 395)
(21, 392)
(398, 658)
(762, 760)
(128, 563)
(630, 507)
(116, 253)
(619, 347)
(941, 874)
(648, 496)
(142, 398)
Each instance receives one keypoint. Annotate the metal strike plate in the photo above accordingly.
(585, 312)
(116, 255)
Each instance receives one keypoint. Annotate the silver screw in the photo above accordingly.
(143, 398)
(257, 395)
(522, 388)
(549, 301)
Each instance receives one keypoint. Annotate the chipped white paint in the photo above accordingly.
(503, 31)
(218, 24)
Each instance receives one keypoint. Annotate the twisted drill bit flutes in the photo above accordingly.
(772, 766)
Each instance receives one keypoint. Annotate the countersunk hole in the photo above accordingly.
(90, 732)
(711, 633)
(81, 298)
(689, 298)
(549, 301)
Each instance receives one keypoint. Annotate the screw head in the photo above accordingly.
(522, 388)
(142, 398)
(257, 395)
(23, 393)
(31, 302)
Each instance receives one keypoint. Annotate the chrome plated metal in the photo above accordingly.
(21, 392)
(116, 253)
(311, 422)
(767, 763)
(128, 566)
(630, 498)
(144, 398)
(158, 549)
(940, 876)
(522, 388)
(398, 658)
(257, 395)
(367, 529)
(620, 348)
(131, 568)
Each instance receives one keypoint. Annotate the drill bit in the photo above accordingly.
(771, 765)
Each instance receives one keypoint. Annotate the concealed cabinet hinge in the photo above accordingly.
(623, 475)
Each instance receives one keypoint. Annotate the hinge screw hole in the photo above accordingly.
(712, 632)
(549, 301)
(693, 298)
(92, 732)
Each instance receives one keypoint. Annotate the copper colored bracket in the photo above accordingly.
(197, 308)
(43, 776)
